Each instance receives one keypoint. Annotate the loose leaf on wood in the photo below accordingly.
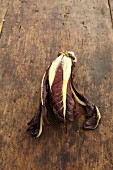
(59, 93)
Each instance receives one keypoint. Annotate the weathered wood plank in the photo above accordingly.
(33, 33)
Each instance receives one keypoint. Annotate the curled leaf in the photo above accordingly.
(57, 88)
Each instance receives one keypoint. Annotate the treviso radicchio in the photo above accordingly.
(59, 92)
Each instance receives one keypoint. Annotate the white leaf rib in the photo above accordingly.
(67, 63)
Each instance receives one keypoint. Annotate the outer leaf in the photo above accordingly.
(44, 93)
(36, 124)
(92, 111)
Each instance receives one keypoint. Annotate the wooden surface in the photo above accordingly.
(32, 33)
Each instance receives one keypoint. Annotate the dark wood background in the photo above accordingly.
(32, 33)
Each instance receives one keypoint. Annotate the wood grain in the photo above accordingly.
(32, 35)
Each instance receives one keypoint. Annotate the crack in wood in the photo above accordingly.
(3, 20)
(109, 4)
